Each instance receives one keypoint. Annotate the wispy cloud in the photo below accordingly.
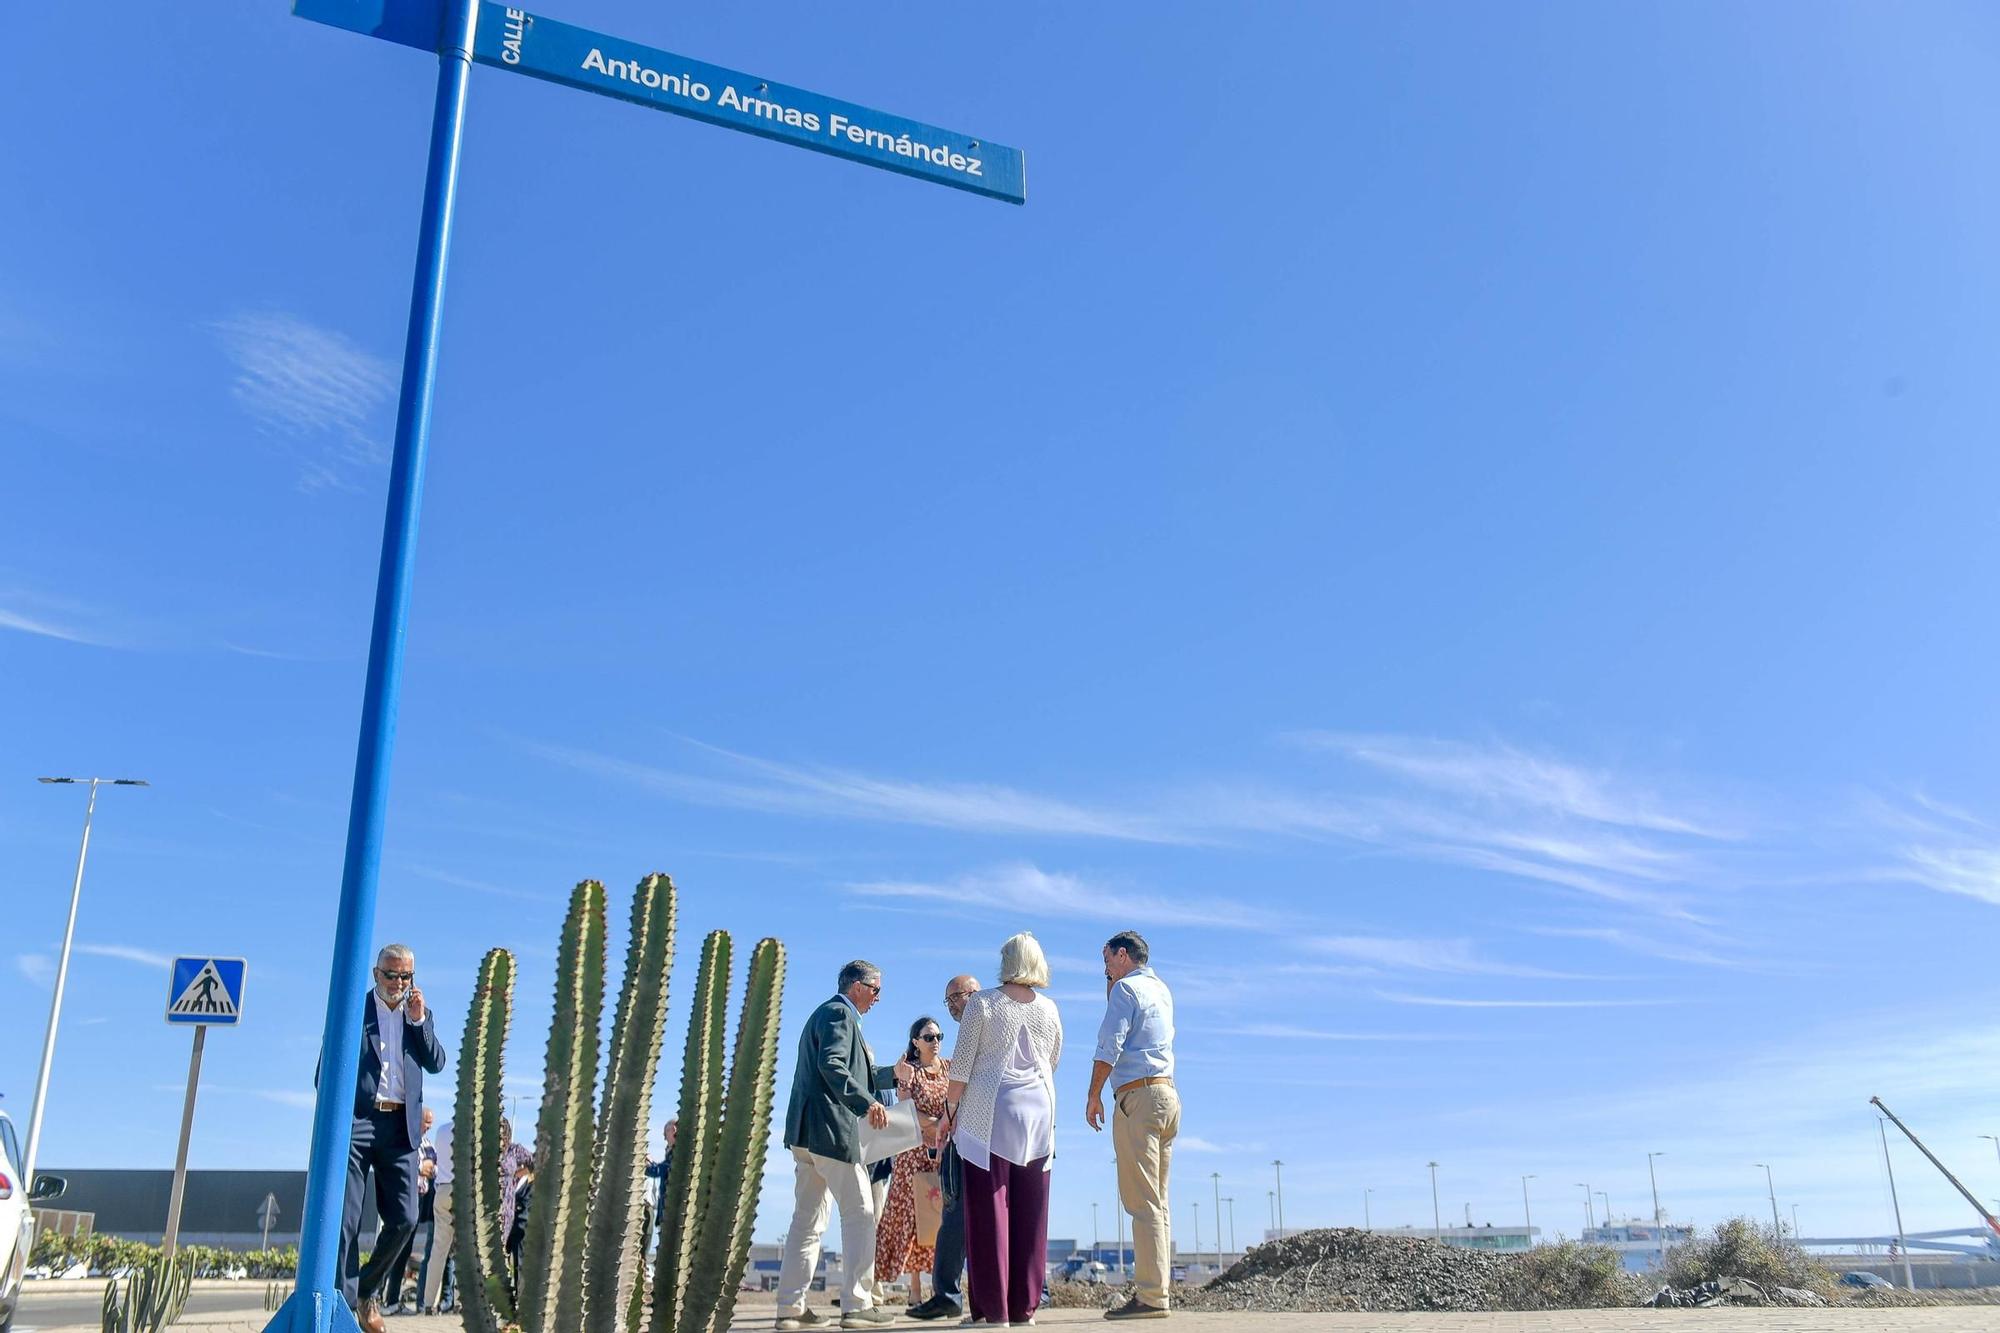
(1293, 1032)
(1021, 888)
(1447, 1002)
(312, 388)
(38, 968)
(482, 886)
(27, 611)
(129, 953)
(1426, 955)
(1940, 847)
(764, 784)
(1506, 777)
(1648, 945)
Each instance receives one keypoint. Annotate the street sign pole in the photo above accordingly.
(316, 1305)
(181, 1156)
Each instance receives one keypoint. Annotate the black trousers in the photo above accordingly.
(380, 1146)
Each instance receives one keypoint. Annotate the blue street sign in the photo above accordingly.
(207, 991)
(508, 38)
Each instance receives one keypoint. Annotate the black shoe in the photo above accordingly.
(937, 1307)
(1136, 1309)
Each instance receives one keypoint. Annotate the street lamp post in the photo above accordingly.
(1093, 1234)
(1589, 1219)
(62, 973)
(1605, 1215)
(1659, 1228)
(1995, 1139)
(1796, 1233)
(1231, 1201)
(1437, 1222)
(1271, 1201)
(1367, 1217)
(1196, 1252)
(1527, 1213)
(1777, 1227)
(1278, 1173)
(1215, 1179)
(1902, 1241)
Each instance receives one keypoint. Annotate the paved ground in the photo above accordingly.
(222, 1310)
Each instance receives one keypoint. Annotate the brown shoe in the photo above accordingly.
(1136, 1309)
(368, 1314)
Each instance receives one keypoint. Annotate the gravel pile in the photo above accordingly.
(1347, 1269)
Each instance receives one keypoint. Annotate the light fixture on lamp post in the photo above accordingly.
(34, 1147)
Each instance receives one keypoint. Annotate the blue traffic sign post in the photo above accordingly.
(461, 32)
(202, 992)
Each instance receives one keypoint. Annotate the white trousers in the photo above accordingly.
(817, 1183)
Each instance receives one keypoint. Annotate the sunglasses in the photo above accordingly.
(394, 976)
(931, 1036)
(874, 987)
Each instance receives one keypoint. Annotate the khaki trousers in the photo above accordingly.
(819, 1184)
(1143, 1127)
(441, 1235)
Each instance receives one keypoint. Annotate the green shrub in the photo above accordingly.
(1569, 1276)
(1741, 1248)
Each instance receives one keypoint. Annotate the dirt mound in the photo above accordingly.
(1347, 1269)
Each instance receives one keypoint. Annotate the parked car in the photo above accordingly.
(17, 1221)
(1858, 1279)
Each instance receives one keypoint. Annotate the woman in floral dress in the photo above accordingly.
(921, 1076)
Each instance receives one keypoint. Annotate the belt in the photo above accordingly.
(384, 1104)
(1142, 1083)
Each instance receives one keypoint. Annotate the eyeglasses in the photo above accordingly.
(932, 1036)
(394, 976)
(951, 995)
(875, 987)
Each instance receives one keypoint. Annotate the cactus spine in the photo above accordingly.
(580, 1262)
(478, 1246)
(552, 1285)
(724, 1247)
(701, 1109)
(614, 1272)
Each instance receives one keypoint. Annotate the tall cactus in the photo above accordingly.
(700, 1114)
(724, 1248)
(477, 1243)
(580, 1266)
(551, 1284)
(614, 1273)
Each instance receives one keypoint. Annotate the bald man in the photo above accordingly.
(945, 1299)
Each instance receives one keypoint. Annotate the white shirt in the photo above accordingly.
(441, 1144)
(389, 1049)
(996, 1064)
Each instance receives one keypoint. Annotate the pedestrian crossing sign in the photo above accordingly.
(207, 990)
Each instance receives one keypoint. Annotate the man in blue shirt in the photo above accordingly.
(1135, 1055)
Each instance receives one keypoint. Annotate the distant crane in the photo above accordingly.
(1992, 1222)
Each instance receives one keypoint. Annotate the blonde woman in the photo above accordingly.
(1002, 1096)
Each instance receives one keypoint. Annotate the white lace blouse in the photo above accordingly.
(1006, 1056)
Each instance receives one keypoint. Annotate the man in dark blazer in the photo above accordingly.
(834, 1087)
(398, 1048)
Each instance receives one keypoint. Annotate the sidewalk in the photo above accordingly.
(1958, 1319)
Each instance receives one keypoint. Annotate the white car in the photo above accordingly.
(17, 1223)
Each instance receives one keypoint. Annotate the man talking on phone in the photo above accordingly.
(397, 1049)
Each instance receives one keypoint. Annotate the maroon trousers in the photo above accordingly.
(1006, 1239)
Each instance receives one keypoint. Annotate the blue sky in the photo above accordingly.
(1472, 529)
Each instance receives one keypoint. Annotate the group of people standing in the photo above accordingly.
(966, 1199)
(987, 1122)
